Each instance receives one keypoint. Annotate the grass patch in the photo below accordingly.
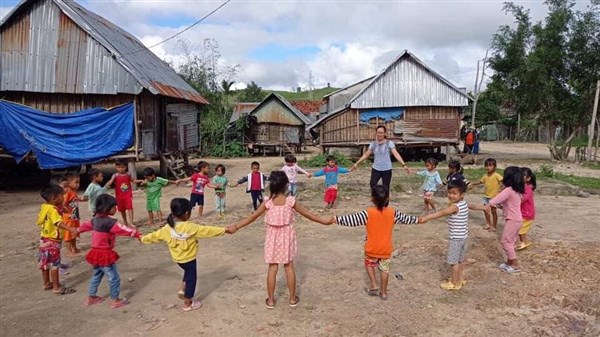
(591, 165)
(582, 182)
(320, 160)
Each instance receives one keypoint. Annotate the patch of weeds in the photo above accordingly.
(320, 160)
(582, 182)
(591, 165)
(546, 170)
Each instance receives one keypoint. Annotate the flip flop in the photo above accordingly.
(64, 291)
(293, 305)
(94, 300)
(373, 292)
(269, 306)
(121, 303)
(181, 295)
(196, 304)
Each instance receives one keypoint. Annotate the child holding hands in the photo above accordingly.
(430, 184)
(379, 221)
(458, 230)
(154, 186)
(280, 241)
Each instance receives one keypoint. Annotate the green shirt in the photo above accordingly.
(220, 180)
(154, 188)
(93, 191)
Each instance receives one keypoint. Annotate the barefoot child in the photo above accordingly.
(527, 207)
(458, 230)
(52, 226)
(510, 198)
(431, 183)
(255, 184)
(220, 180)
(280, 241)
(492, 181)
(123, 192)
(292, 169)
(154, 187)
(102, 256)
(379, 221)
(71, 210)
(331, 172)
(181, 236)
(200, 180)
(94, 189)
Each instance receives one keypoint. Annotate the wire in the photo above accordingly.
(183, 31)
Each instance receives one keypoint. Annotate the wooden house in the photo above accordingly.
(274, 125)
(59, 57)
(418, 106)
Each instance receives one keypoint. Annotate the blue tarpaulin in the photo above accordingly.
(386, 115)
(63, 140)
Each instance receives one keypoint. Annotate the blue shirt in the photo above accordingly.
(381, 155)
(432, 180)
(331, 174)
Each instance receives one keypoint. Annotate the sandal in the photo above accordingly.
(94, 300)
(181, 295)
(450, 286)
(269, 306)
(294, 304)
(524, 245)
(196, 304)
(373, 292)
(64, 291)
(120, 303)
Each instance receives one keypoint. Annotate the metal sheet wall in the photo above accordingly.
(274, 112)
(185, 116)
(45, 51)
(407, 83)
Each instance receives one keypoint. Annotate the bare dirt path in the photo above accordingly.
(556, 295)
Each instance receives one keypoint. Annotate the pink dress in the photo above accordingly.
(280, 240)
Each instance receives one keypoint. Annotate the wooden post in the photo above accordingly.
(136, 128)
(591, 128)
(132, 170)
(357, 128)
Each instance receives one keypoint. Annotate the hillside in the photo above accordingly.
(317, 94)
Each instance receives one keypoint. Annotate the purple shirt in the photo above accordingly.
(528, 205)
(511, 204)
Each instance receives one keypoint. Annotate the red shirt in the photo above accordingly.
(199, 181)
(255, 183)
(123, 186)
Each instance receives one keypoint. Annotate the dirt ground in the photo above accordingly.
(557, 294)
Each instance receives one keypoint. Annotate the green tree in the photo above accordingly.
(252, 93)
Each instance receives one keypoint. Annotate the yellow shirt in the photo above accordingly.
(183, 239)
(48, 219)
(492, 184)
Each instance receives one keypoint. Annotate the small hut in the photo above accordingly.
(274, 125)
(418, 106)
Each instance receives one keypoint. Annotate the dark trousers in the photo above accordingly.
(189, 277)
(385, 176)
(257, 198)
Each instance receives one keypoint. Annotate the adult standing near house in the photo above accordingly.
(382, 163)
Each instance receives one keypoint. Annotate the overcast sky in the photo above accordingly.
(277, 43)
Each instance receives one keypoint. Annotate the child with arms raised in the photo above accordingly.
(280, 240)
(181, 236)
(430, 184)
(492, 181)
(255, 184)
(52, 226)
(220, 192)
(292, 169)
(379, 221)
(331, 172)
(458, 230)
(154, 186)
(200, 180)
(102, 256)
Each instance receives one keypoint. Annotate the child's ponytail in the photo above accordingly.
(380, 195)
(180, 207)
(455, 165)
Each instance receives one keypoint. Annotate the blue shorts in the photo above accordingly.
(196, 199)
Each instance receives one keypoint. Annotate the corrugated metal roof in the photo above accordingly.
(341, 98)
(121, 51)
(242, 109)
(285, 102)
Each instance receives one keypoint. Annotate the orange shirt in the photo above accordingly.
(380, 225)
(71, 209)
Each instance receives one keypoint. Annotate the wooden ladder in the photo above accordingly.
(175, 164)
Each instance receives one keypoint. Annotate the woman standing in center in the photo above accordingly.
(382, 163)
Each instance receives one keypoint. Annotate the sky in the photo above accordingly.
(279, 43)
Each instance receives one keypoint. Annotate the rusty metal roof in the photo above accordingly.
(241, 109)
(144, 66)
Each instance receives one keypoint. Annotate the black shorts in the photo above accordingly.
(196, 199)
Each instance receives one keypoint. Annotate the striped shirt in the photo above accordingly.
(458, 226)
(361, 218)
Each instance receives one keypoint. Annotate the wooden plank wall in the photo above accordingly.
(340, 129)
(273, 134)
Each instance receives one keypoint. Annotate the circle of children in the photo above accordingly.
(59, 221)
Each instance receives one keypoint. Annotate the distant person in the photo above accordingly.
(379, 221)
(510, 199)
(381, 148)
(458, 231)
(492, 182)
(431, 183)
(221, 181)
(181, 236)
(469, 142)
(331, 172)
(94, 189)
(280, 242)
(255, 184)
(154, 186)
(527, 207)
(52, 226)
(200, 180)
(123, 192)
(291, 170)
(102, 256)
(476, 135)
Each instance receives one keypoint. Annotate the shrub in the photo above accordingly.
(232, 149)
(319, 160)
(546, 171)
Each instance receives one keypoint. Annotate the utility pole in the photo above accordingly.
(477, 86)
(592, 126)
(311, 80)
